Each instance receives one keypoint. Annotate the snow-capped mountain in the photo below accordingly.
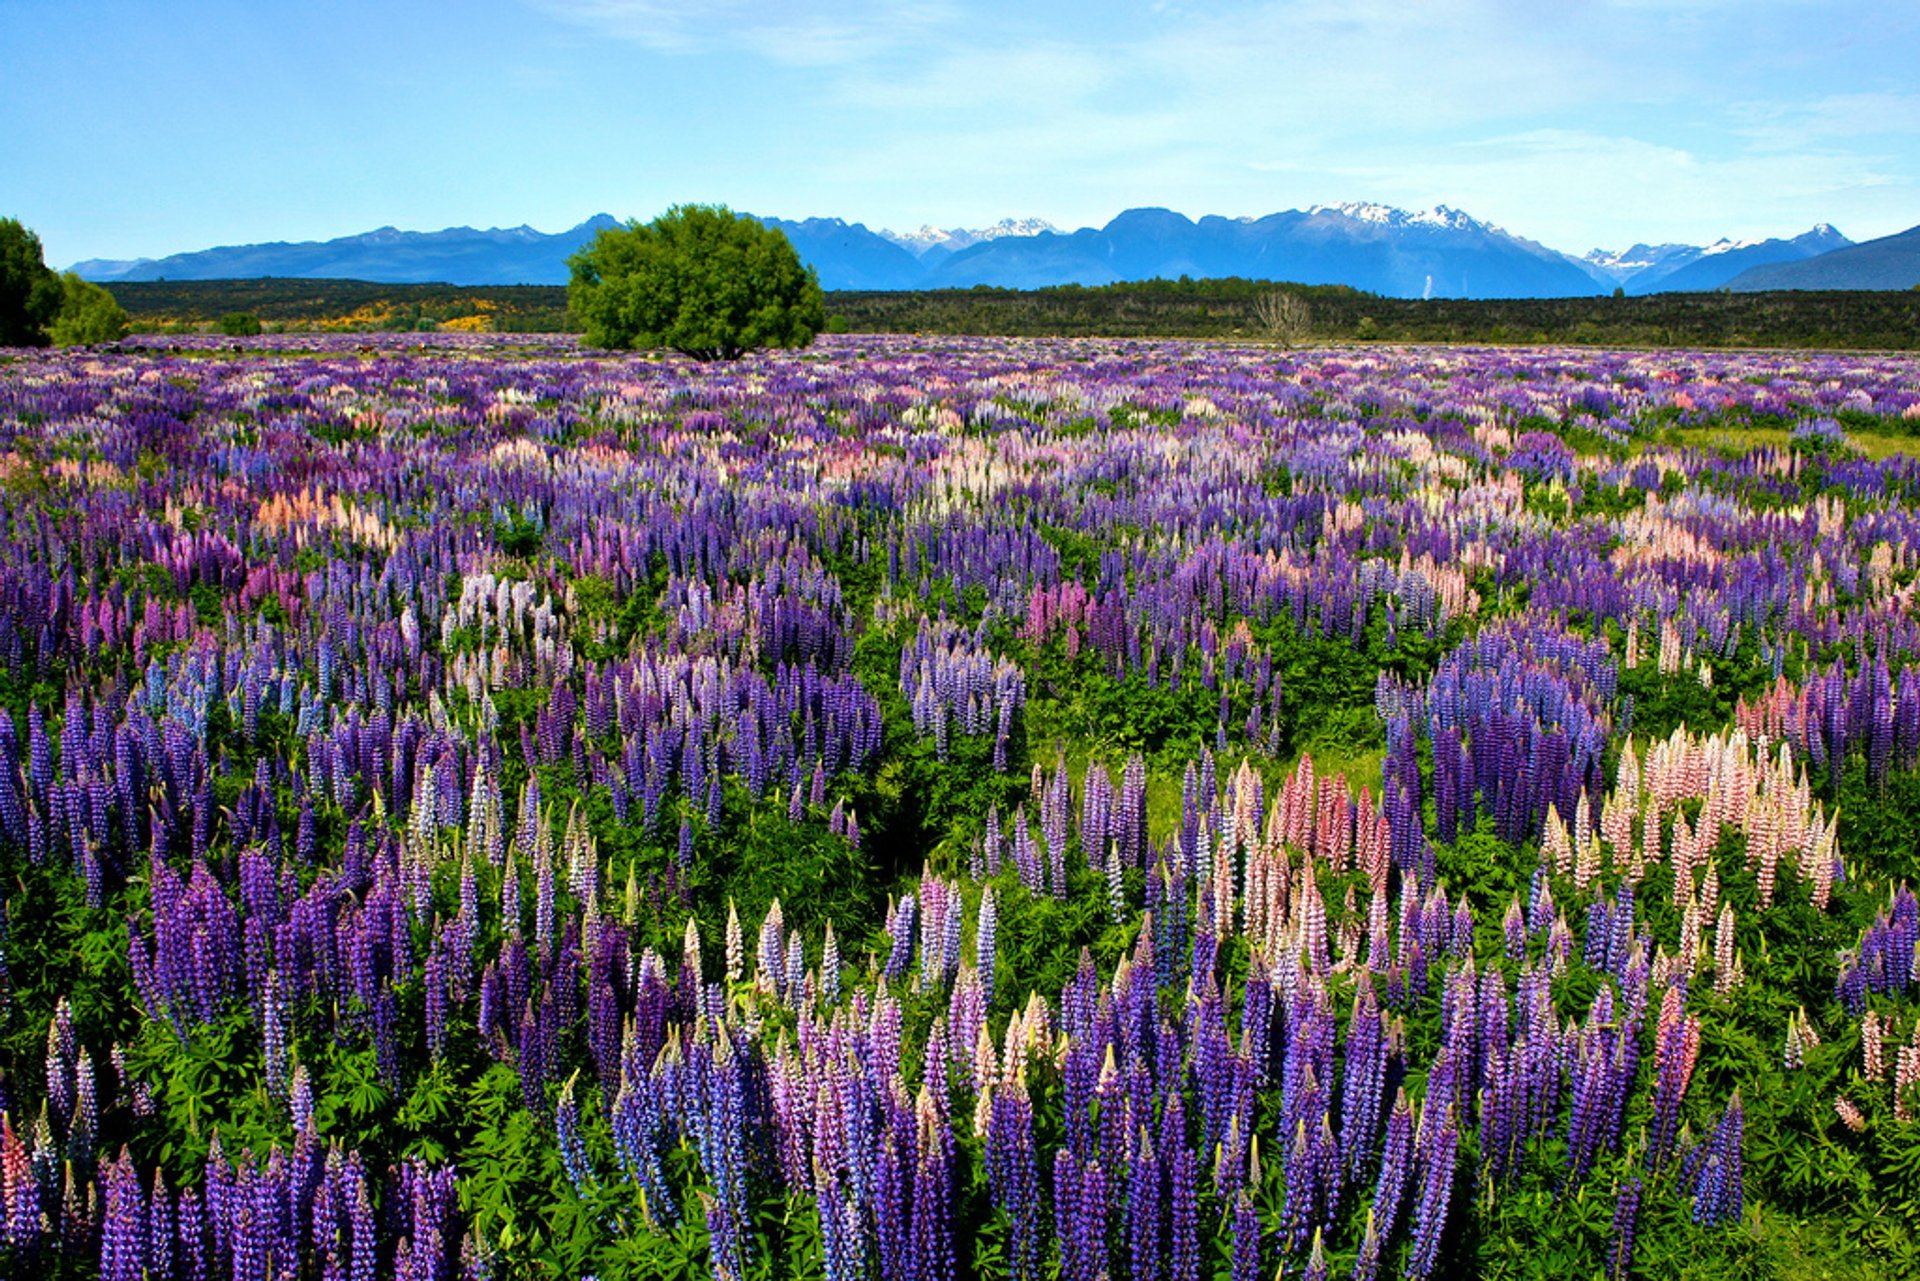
(1437, 252)
(1616, 267)
(928, 239)
(1649, 269)
(1440, 216)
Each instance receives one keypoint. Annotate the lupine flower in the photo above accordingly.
(1626, 1215)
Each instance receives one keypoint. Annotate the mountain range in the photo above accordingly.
(1438, 252)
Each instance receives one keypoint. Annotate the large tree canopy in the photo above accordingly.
(700, 280)
(29, 292)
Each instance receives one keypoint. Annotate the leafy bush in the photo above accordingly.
(88, 314)
(700, 280)
(239, 324)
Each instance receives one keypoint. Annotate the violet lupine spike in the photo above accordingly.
(1143, 1217)
(1365, 1078)
(1366, 1265)
(1437, 1150)
(1012, 1175)
(986, 942)
(573, 1151)
(1396, 1167)
(892, 1205)
(933, 1250)
(1080, 1208)
(1245, 1257)
(1626, 1222)
(1714, 1170)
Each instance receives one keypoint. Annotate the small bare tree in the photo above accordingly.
(1286, 317)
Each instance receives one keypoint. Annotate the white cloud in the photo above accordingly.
(793, 32)
(1572, 189)
(1572, 125)
(1834, 118)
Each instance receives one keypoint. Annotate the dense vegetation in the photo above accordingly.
(37, 307)
(193, 306)
(1190, 309)
(1082, 809)
(1230, 309)
(700, 280)
(29, 291)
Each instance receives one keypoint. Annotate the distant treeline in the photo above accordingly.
(1230, 308)
(280, 303)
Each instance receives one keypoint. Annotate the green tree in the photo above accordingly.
(700, 280)
(29, 292)
(239, 324)
(88, 314)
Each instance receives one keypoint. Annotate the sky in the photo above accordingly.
(133, 128)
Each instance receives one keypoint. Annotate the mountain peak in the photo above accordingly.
(953, 239)
(1442, 251)
(1440, 217)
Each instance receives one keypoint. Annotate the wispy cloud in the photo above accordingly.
(1548, 183)
(796, 32)
(1827, 120)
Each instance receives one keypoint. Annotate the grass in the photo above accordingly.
(1740, 440)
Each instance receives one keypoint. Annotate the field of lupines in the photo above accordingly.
(934, 809)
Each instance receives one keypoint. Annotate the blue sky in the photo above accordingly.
(137, 127)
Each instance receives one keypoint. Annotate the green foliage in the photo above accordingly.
(239, 324)
(700, 280)
(188, 306)
(88, 314)
(29, 292)
(1226, 309)
(1884, 319)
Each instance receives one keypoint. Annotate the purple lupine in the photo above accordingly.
(1626, 1216)
(986, 942)
(1080, 1208)
(933, 1255)
(1183, 1216)
(573, 1150)
(1675, 1053)
(1366, 1265)
(1713, 1170)
(1514, 929)
(1012, 1176)
(123, 1227)
(892, 1203)
(829, 968)
(1365, 1084)
(902, 919)
(1396, 1167)
(1437, 1148)
(1245, 1261)
(1143, 1218)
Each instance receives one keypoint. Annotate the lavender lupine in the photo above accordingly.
(730, 512)
(1437, 1145)
(986, 942)
(1013, 1177)
(1713, 1171)
(1626, 1222)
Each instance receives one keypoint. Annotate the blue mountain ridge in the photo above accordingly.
(1438, 253)
(1890, 262)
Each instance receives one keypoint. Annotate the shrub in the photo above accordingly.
(701, 280)
(88, 314)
